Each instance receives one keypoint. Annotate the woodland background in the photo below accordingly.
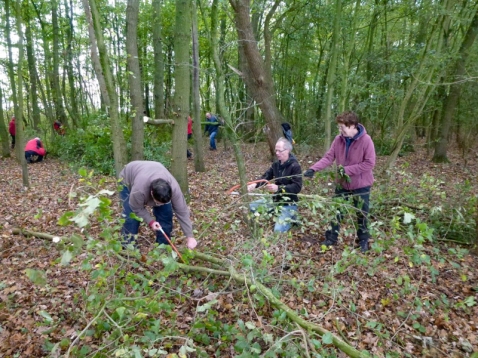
(100, 67)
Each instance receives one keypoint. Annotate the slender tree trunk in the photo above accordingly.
(331, 75)
(256, 76)
(119, 145)
(182, 39)
(55, 85)
(197, 131)
(20, 141)
(158, 61)
(95, 58)
(451, 101)
(74, 111)
(134, 79)
(33, 77)
(10, 66)
(220, 80)
(3, 130)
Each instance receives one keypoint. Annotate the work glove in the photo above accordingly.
(191, 243)
(309, 173)
(155, 225)
(342, 174)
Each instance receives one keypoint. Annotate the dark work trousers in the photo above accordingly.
(188, 153)
(162, 213)
(361, 200)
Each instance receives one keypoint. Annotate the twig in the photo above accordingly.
(306, 341)
(84, 330)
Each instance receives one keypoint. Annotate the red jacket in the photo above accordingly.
(11, 127)
(35, 145)
(358, 160)
(190, 125)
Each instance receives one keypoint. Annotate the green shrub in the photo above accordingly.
(91, 146)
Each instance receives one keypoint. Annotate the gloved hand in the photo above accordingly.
(155, 225)
(191, 243)
(342, 174)
(309, 173)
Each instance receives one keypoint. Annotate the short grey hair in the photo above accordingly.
(287, 144)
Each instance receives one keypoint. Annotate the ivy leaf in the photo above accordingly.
(38, 277)
(327, 338)
(66, 258)
(206, 306)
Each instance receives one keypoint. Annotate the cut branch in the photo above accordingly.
(156, 122)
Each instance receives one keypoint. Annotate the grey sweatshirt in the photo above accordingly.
(138, 175)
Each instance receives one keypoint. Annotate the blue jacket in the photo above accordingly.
(212, 128)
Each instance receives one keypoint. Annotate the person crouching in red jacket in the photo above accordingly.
(34, 151)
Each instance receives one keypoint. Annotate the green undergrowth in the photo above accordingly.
(91, 145)
(148, 305)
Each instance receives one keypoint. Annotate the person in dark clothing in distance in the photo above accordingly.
(285, 176)
(211, 128)
(190, 134)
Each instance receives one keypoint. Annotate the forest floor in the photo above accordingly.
(380, 302)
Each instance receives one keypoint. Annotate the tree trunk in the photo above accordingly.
(45, 93)
(327, 119)
(20, 141)
(220, 80)
(55, 85)
(119, 145)
(256, 77)
(158, 61)
(95, 59)
(33, 77)
(451, 100)
(10, 66)
(134, 79)
(3, 130)
(197, 131)
(74, 112)
(182, 39)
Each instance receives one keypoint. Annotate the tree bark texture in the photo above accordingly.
(182, 40)
(32, 70)
(196, 116)
(134, 80)
(451, 100)
(158, 65)
(220, 80)
(4, 136)
(119, 145)
(256, 77)
(55, 85)
(19, 128)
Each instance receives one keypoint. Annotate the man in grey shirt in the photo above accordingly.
(147, 183)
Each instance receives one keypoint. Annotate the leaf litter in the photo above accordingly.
(393, 305)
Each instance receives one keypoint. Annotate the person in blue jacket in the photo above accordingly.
(211, 129)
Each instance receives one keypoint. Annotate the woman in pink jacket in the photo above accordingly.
(354, 153)
(34, 151)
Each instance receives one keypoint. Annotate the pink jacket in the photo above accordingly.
(35, 145)
(358, 163)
